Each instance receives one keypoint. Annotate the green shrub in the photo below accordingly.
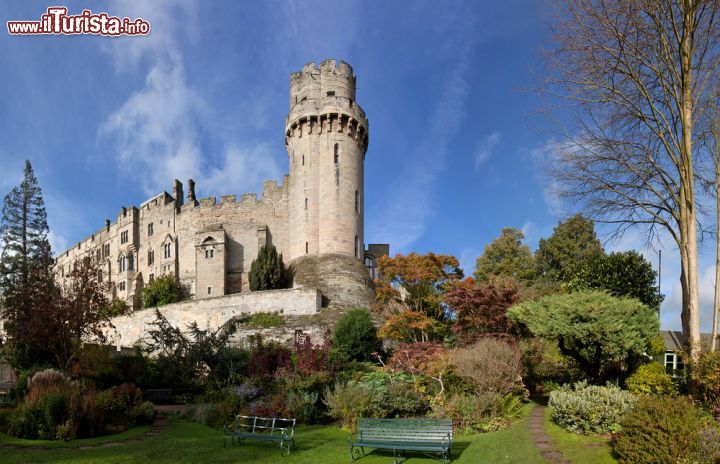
(651, 379)
(584, 408)
(706, 379)
(267, 271)
(483, 412)
(351, 401)
(302, 405)
(163, 290)
(143, 413)
(355, 335)
(659, 430)
(265, 320)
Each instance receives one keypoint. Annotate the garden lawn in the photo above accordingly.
(579, 448)
(186, 442)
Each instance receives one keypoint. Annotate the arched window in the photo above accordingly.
(131, 262)
(337, 154)
(121, 264)
(151, 257)
(167, 250)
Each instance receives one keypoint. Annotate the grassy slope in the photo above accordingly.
(579, 448)
(184, 442)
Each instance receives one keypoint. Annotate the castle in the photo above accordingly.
(314, 218)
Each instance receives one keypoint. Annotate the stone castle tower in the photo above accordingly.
(314, 217)
(326, 136)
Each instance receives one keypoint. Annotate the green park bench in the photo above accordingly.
(400, 435)
(261, 428)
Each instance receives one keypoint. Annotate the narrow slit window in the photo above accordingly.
(306, 203)
(337, 154)
(331, 93)
(357, 202)
(306, 247)
(357, 255)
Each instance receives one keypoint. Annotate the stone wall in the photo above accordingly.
(213, 313)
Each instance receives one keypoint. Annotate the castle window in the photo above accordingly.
(209, 290)
(150, 229)
(131, 263)
(306, 203)
(123, 237)
(99, 276)
(167, 251)
(121, 286)
(357, 255)
(306, 247)
(152, 277)
(106, 250)
(337, 155)
(303, 160)
(151, 257)
(209, 253)
(97, 254)
(331, 93)
(357, 202)
(121, 264)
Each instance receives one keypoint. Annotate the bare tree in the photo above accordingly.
(638, 75)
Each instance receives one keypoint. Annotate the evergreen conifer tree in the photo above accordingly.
(26, 282)
(267, 271)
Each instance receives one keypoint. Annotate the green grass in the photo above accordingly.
(186, 442)
(579, 448)
(128, 434)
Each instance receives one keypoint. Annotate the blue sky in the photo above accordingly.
(454, 156)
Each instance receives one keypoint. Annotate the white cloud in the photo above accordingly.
(467, 259)
(58, 243)
(402, 222)
(157, 131)
(246, 167)
(542, 156)
(485, 148)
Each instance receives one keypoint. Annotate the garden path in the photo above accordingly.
(541, 439)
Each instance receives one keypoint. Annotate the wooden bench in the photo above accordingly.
(261, 428)
(401, 435)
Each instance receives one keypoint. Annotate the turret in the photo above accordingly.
(326, 139)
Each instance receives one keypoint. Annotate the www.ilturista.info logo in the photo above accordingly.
(57, 21)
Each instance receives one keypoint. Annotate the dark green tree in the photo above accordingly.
(355, 335)
(25, 267)
(506, 256)
(607, 336)
(625, 273)
(164, 290)
(267, 271)
(572, 244)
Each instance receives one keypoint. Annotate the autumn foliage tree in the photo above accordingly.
(80, 314)
(481, 309)
(414, 287)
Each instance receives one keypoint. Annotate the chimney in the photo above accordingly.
(191, 193)
(178, 194)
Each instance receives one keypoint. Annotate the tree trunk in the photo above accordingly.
(716, 302)
(688, 228)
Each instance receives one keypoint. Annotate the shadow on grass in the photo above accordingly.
(455, 452)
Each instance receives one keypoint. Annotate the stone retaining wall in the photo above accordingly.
(214, 312)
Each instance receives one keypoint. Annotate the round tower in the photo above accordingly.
(326, 136)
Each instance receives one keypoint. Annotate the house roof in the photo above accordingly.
(675, 341)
